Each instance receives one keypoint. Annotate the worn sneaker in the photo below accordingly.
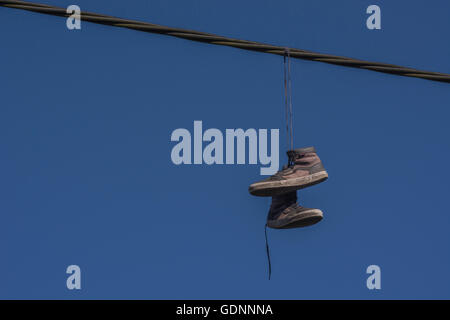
(304, 169)
(286, 213)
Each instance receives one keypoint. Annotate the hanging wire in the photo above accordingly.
(225, 41)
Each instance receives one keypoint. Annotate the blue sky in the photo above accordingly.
(86, 176)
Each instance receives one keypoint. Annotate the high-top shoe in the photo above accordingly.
(286, 213)
(304, 169)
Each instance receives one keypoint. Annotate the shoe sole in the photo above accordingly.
(275, 188)
(304, 219)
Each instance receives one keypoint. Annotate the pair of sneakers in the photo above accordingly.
(304, 169)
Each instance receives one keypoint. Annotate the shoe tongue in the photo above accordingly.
(292, 156)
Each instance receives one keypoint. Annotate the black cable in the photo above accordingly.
(237, 43)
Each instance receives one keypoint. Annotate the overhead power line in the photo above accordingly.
(225, 41)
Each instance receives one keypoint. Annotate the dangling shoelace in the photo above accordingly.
(268, 251)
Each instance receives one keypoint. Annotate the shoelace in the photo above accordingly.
(288, 98)
(268, 251)
(291, 207)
